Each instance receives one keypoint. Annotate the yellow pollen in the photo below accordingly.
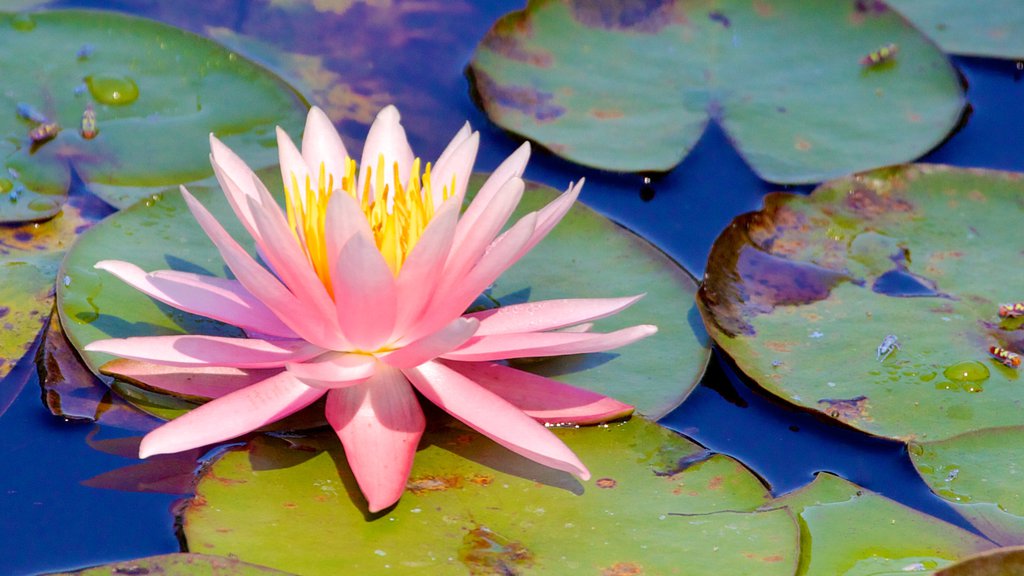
(398, 212)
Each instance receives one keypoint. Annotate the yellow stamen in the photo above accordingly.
(397, 212)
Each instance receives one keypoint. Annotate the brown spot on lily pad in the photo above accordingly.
(869, 203)
(606, 113)
(430, 483)
(802, 144)
(623, 569)
(486, 552)
(506, 39)
(606, 483)
(524, 99)
(764, 9)
(646, 16)
(845, 409)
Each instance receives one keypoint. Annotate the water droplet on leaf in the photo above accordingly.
(112, 89)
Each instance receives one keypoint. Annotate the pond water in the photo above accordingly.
(52, 521)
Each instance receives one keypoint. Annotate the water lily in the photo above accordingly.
(359, 292)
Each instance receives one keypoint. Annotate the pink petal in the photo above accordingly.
(455, 142)
(444, 340)
(380, 424)
(321, 144)
(235, 196)
(344, 219)
(471, 243)
(294, 171)
(201, 350)
(235, 178)
(549, 216)
(200, 381)
(364, 292)
(387, 138)
(231, 416)
(458, 164)
(419, 275)
(334, 370)
(209, 296)
(543, 399)
(547, 314)
(504, 346)
(512, 167)
(493, 417)
(262, 284)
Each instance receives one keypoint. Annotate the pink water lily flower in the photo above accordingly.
(359, 293)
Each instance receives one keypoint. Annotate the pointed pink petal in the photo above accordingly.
(450, 301)
(235, 195)
(549, 216)
(543, 399)
(262, 284)
(444, 340)
(321, 144)
(334, 370)
(200, 381)
(387, 138)
(201, 350)
(209, 296)
(419, 275)
(344, 219)
(380, 424)
(512, 167)
(364, 292)
(294, 171)
(504, 346)
(235, 179)
(230, 416)
(547, 314)
(471, 243)
(458, 164)
(493, 417)
(455, 142)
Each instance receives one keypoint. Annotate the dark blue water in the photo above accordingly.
(51, 521)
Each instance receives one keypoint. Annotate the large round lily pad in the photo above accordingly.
(981, 474)
(630, 86)
(803, 294)
(152, 88)
(993, 28)
(654, 375)
(849, 530)
(657, 502)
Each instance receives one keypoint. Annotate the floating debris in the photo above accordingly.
(85, 51)
(889, 345)
(1008, 358)
(880, 56)
(44, 132)
(1014, 310)
(89, 129)
(31, 113)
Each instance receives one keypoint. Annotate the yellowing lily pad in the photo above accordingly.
(980, 474)
(178, 565)
(657, 502)
(804, 294)
(151, 88)
(849, 530)
(655, 375)
(1000, 562)
(993, 28)
(630, 86)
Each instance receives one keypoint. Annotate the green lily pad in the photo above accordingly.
(993, 28)
(999, 562)
(178, 565)
(980, 474)
(849, 530)
(657, 502)
(151, 87)
(631, 86)
(803, 294)
(655, 375)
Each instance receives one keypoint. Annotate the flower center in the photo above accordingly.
(398, 213)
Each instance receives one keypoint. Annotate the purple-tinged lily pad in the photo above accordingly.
(178, 565)
(999, 562)
(655, 374)
(846, 529)
(150, 88)
(993, 28)
(981, 475)
(805, 294)
(630, 86)
(657, 502)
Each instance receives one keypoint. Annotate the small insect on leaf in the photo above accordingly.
(1014, 310)
(1008, 358)
(880, 56)
(889, 345)
(89, 129)
(44, 132)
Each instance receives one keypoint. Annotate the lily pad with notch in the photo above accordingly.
(795, 294)
(631, 86)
